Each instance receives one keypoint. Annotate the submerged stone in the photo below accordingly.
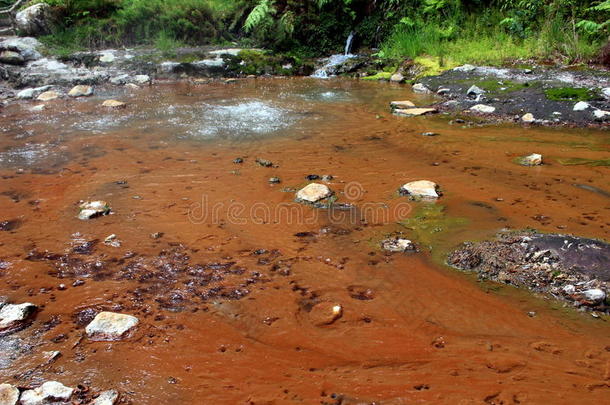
(420, 188)
(402, 104)
(414, 112)
(313, 192)
(114, 104)
(110, 326)
(325, 313)
(48, 393)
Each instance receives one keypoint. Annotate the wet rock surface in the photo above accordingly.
(9, 395)
(15, 316)
(568, 267)
(48, 393)
(110, 326)
(313, 193)
(511, 92)
(425, 189)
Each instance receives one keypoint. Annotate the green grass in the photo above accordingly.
(569, 94)
(462, 39)
(493, 47)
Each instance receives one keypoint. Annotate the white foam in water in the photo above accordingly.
(26, 155)
(239, 120)
(334, 60)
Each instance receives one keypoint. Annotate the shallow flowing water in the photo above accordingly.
(222, 268)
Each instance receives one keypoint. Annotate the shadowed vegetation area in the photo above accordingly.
(450, 32)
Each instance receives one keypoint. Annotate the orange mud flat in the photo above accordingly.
(246, 297)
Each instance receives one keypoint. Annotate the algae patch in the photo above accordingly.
(431, 224)
(569, 94)
(583, 161)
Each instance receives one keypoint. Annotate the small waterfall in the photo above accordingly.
(333, 61)
(348, 43)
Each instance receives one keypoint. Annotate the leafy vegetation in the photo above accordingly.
(444, 33)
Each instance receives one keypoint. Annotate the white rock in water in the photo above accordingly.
(529, 117)
(397, 78)
(38, 108)
(569, 289)
(534, 159)
(402, 104)
(114, 104)
(13, 314)
(92, 209)
(421, 188)
(581, 106)
(110, 326)
(106, 398)
(482, 108)
(132, 86)
(397, 245)
(107, 57)
(141, 79)
(313, 192)
(465, 68)
(595, 295)
(443, 90)
(48, 96)
(474, 91)
(420, 88)
(606, 92)
(48, 393)
(27, 94)
(9, 395)
(601, 114)
(413, 112)
(81, 91)
(120, 79)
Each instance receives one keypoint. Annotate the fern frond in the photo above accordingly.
(261, 14)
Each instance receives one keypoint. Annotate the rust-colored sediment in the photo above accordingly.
(225, 298)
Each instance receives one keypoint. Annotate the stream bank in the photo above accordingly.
(533, 95)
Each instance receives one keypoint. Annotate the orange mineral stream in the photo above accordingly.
(231, 279)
